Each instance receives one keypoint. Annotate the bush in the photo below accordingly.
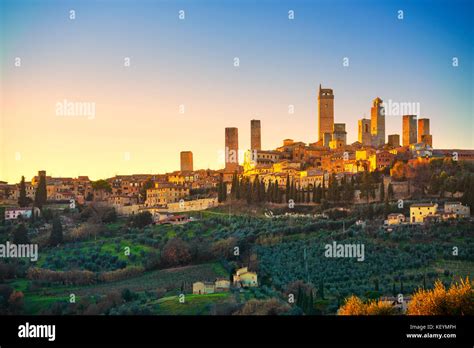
(355, 306)
(264, 307)
(141, 220)
(457, 300)
(119, 274)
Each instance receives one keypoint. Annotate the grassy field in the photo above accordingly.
(193, 304)
(170, 280)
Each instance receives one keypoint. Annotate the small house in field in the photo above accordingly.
(222, 284)
(419, 212)
(244, 278)
(457, 209)
(395, 219)
(202, 288)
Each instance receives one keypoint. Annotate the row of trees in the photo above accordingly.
(334, 190)
(40, 195)
(20, 233)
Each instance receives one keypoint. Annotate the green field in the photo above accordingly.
(193, 304)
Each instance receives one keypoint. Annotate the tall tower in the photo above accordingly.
(377, 122)
(365, 137)
(325, 112)
(423, 128)
(186, 161)
(231, 149)
(255, 135)
(409, 130)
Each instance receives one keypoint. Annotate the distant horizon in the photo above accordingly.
(153, 84)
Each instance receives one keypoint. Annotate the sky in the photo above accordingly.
(181, 87)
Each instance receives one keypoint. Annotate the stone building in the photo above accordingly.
(231, 149)
(165, 193)
(325, 112)
(365, 137)
(423, 128)
(186, 158)
(394, 140)
(255, 135)
(377, 122)
(419, 212)
(409, 130)
(339, 135)
(244, 278)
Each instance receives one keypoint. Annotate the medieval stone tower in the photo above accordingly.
(186, 161)
(365, 137)
(255, 135)
(231, 149)
(409, 130)
(424, 131)
(325, 112)
(377, 122)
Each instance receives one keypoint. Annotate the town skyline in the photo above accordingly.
(164, 95)
(245, 138)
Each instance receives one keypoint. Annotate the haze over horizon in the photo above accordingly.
(176, 63)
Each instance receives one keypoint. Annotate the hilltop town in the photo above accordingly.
(293, 230)
(296, 172)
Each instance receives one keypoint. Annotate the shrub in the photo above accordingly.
(457, 300)
(355, 306)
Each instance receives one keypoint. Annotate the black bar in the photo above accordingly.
(218, 330)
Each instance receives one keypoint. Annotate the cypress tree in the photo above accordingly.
(318, 194)
(224, 191)
(237, 189)
(249, 191)
(323, 188)
(262, 191)
(22, 199)
(269, 192)
(20, 235)
(299, 297)
(233, 189)
(56, 236)
(311, 303)
(321, 289)
(382, 192)
(275, 192)
(390, 191)
(41, 193)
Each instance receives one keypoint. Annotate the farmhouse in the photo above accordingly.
(222, 284)
(420, 211)
(202, 288)
(395, 219)
(458, 209)
(244, 278)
